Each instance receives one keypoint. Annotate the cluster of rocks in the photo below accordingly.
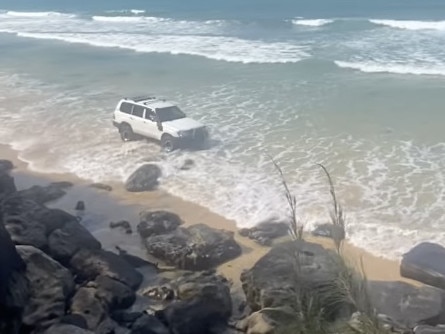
(56, 278)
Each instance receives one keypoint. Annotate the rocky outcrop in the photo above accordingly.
(157, 222)
(408, 305)
(425, 263)
(329, 231)
(148, 324)
(204, 304)
(42, 195)
(64, 242)
(293, 271)
(86, 304)
(50, 285)
(14, 292)
(88, 264)
(5, 166)
(198, 247)
(123, 224)
(66, 329)
(145, 178)
(7, 185)
(265, 232)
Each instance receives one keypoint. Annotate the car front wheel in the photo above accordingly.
(168, 143)
(126, 132)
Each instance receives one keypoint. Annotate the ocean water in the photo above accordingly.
(355, 85)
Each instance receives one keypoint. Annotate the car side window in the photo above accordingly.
(126, 107)
(138, 111)
(150, 115)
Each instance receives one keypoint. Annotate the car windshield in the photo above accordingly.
(169, 113)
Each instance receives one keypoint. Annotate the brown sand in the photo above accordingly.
(119, 204)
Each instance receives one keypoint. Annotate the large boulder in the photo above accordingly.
(425, 263)
(44, 194)
(66, 329)
(157, 222)
(89, 306)
(50, 286)
(265, 232)
(406, 304)
(198, 247)
(114, 294)
(291, 272)
(5, 165)
(148, 324)
(329, 231)
(7, 185)
(204, 304)
(13, 285)
(64, 242)
(30, 223)
(88, 264)
(145, 178)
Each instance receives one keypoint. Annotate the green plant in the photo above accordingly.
(337, 215)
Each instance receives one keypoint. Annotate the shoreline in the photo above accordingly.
(120, 204)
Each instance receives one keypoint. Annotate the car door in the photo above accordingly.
(150, 125)
(137, 119)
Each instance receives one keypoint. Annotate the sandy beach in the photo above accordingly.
(103, 207)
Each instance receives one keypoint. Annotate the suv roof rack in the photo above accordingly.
(141, 98)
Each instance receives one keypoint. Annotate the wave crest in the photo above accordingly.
(369, 67)
(313, 22)
(38, 14)
(411, 25)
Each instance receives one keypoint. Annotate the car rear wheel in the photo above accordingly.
(126, 132)
(168, 143)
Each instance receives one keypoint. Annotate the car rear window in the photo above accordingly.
(126, 107)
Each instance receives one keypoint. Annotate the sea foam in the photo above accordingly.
(312, 22)
(411, 25)
(371, 67)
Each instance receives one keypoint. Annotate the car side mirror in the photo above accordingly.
(159, 123)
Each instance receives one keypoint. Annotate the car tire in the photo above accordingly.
(126, 132)
(168, 143)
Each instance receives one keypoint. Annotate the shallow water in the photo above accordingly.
(357, 88)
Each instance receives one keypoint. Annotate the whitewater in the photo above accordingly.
(359, 93)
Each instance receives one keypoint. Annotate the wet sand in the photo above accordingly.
(103, 207)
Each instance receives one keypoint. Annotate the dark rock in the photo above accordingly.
(50, 285)
(425, 263)
(74, 319)
(5, 166)
(64, 242)
(205, 303)
(188, 164)
(7, 185)
(29, 223)
(145, 178)
(329, 231)
(42, 195)
(80, 206)
(157, 222)
(125, 225)
(13, 285)
(66, 329)
(274, 282)
(134, 260)
(125, 318)
(423, 329)
(407, 304)
(198, 247)
(88, 264)
(109, 326)
(114, 294)
(101, 186)
(265, 232)
(86, 304)
(55, 219)
(148, 324)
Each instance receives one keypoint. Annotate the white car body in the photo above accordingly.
(159, 120)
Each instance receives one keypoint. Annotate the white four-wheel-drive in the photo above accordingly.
(160, 120)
